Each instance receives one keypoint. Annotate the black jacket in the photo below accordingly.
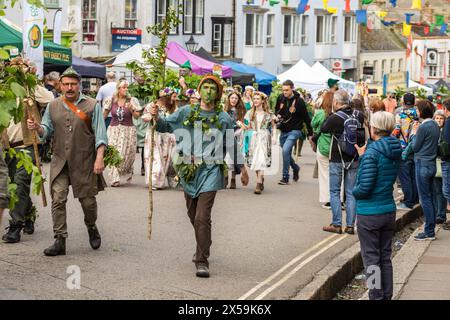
(293, 121)
(334, 125)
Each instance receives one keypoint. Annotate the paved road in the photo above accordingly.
(264, 247)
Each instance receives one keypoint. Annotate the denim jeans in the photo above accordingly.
(446, 180)
(287, 143)
(439, 200)
(337, 172)
(407, 177)
(425, 173)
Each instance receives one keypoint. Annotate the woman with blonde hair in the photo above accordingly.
(121, 131)
(260, 120)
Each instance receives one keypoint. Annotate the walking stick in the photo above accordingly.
(150, 182)
(36, 156)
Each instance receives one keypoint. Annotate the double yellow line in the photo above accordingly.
(290, 269)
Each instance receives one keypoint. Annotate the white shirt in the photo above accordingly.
(106, 91)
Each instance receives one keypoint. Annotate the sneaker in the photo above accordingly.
(327, 206)
(283, 182)
(403, 206)
(202, 271)
(296, 171)
(440, 221)
(332, 228)
(423, 237)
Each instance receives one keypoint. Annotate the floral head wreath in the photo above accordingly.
(168, 91)
(262, 94)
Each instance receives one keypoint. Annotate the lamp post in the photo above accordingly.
(191, 45)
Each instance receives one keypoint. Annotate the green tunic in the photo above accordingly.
(209, 177)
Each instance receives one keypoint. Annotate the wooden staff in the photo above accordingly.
(150, 182)
(36, 154)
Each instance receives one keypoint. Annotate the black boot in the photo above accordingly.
(94, 237)
(13, 234)
(28, 228)
(57, 249)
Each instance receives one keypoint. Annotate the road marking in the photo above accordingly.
(293, 261)
(301, 265)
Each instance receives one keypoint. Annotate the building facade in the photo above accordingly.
(276, 37)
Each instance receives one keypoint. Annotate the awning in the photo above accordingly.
(88, 69)
(53, 53)
(262, 77)
(200, 66)
(240, 78)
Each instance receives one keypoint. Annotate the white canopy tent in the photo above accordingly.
(134, 53)
(304, 77)
(415, 85)
(326, 74)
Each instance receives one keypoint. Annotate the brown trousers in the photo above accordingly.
(199, 212)
(59, 192)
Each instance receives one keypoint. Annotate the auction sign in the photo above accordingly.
(123, 38)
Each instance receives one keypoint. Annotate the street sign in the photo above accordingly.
(123, 38)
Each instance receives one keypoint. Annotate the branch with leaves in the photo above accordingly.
(153, 76)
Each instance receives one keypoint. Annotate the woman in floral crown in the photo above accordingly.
(259, 154)
(164, 143)
(122, 132)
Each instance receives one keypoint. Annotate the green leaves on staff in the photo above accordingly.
(112, 157)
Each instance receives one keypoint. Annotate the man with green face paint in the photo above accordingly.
(200, 191)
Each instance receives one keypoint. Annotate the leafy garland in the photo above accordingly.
(187, 168)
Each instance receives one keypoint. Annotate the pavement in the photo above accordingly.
(430, 278)
(265, 246)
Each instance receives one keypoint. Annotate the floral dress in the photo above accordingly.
(259, 154)
(122, 135)
(162, 155)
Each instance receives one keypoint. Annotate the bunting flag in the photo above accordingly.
(439, 20)
(432, 26)
(406, 29)
(302, 6)
(408, 17)
(426, 30)
(443, 29)
(367, 1)
(325, 4)
(332, 10)
(381, 14)
(347, 6)
(416, 4)
(393, 2)
(286, 2)
(389, 23)
(361, 16)
(273, 2)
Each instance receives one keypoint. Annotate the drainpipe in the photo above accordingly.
(233, 44)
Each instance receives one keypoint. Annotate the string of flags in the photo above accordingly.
(372, 19)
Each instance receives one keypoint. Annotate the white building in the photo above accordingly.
(430, 57)
(276, 37)
(382, 52)
(92, 22)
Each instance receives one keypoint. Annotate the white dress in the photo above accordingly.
(259, 154)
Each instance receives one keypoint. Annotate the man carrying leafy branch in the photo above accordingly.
(17, 137)
(76, 124)
(203, 144)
